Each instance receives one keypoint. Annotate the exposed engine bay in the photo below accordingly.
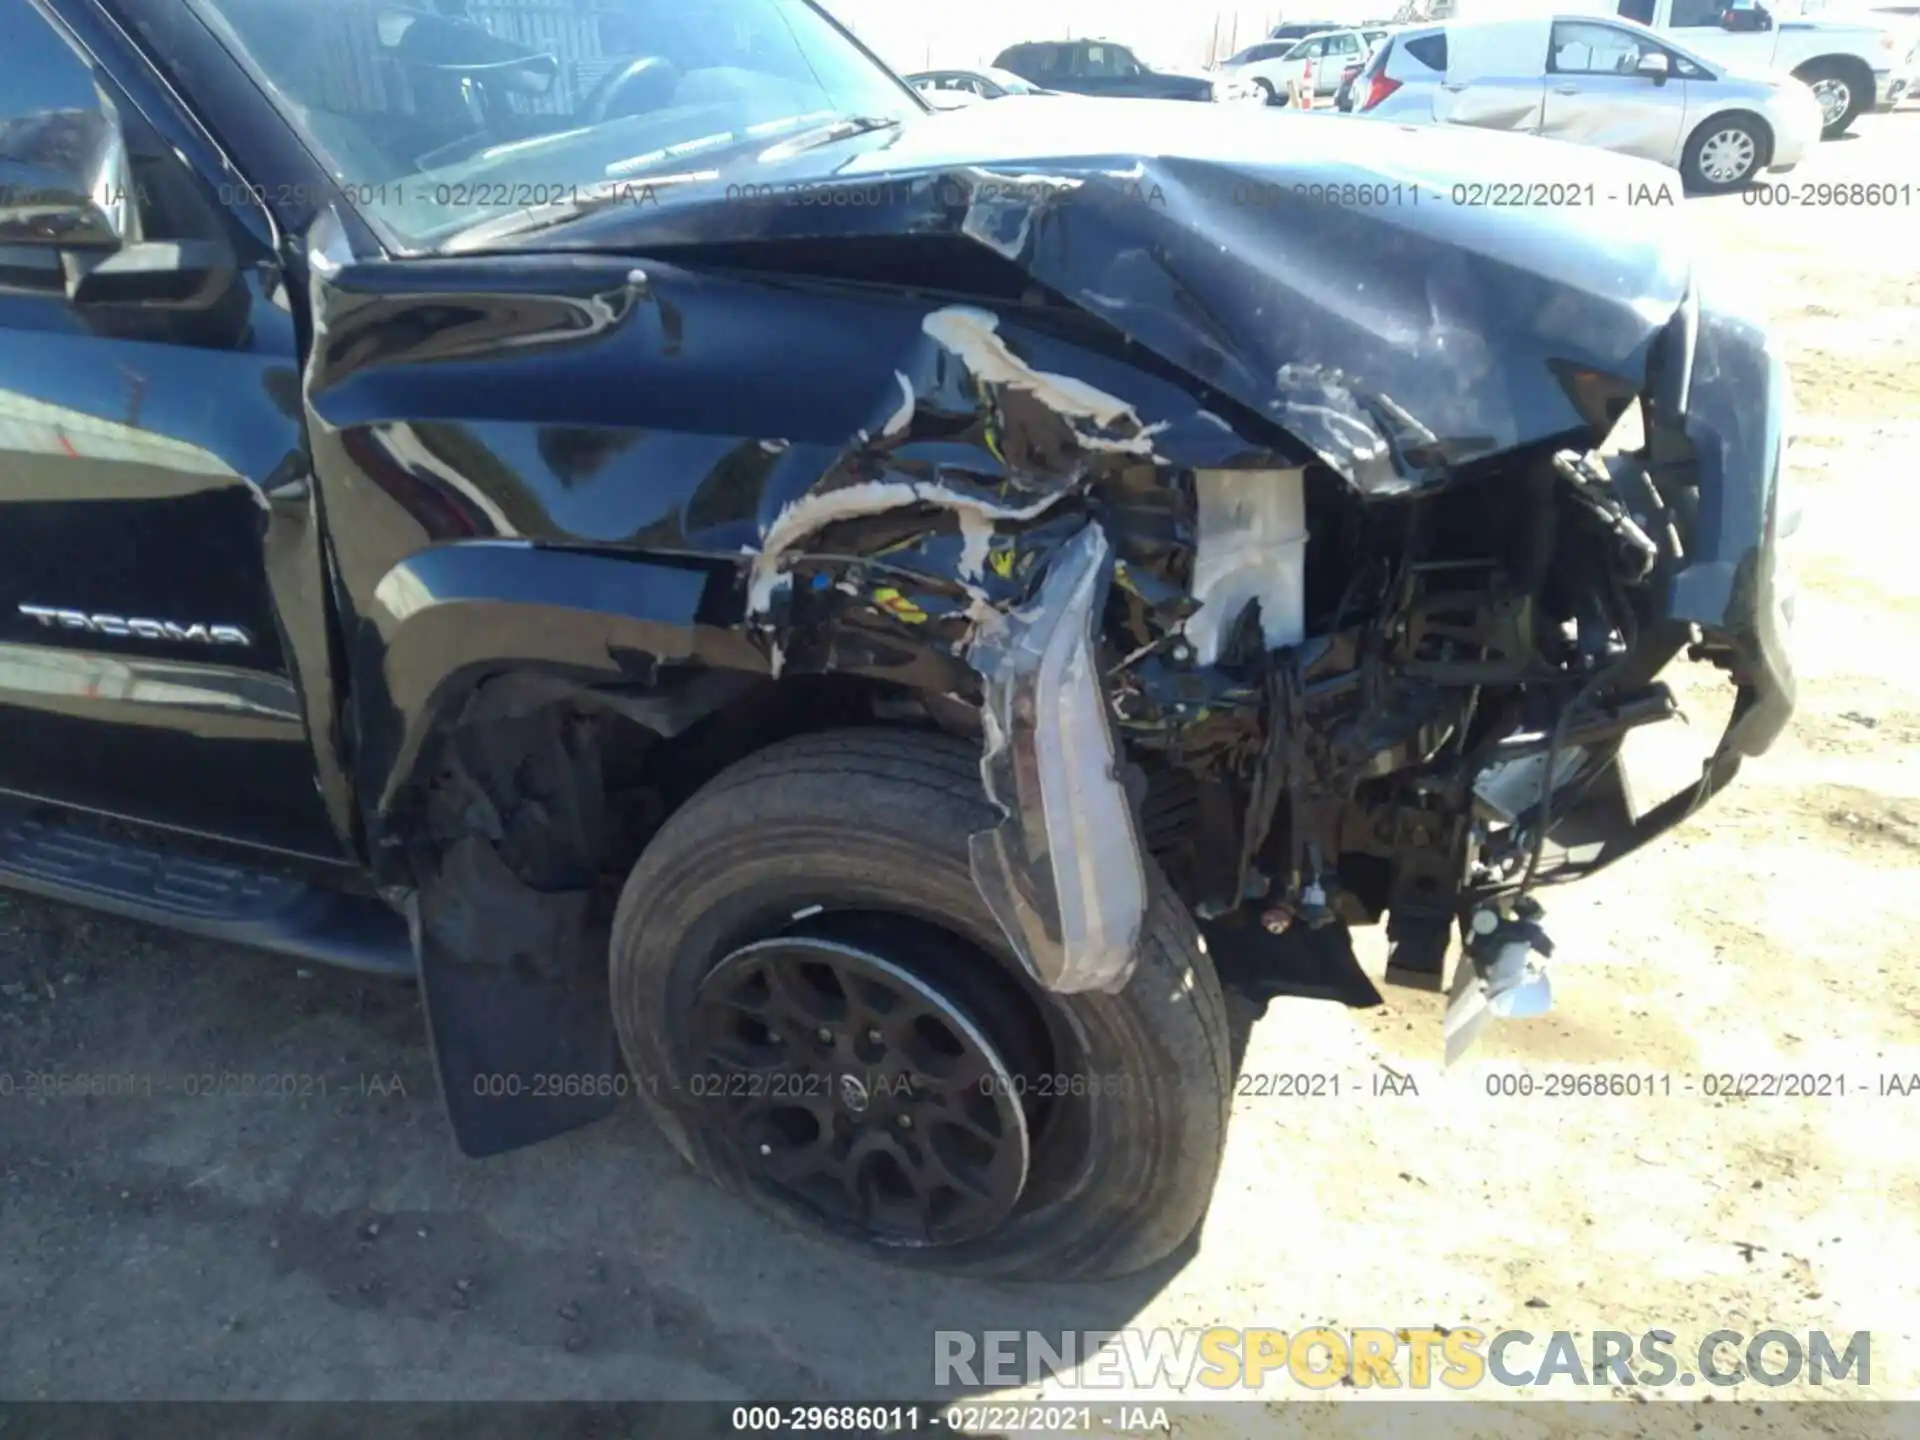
(1313, 707)
(1382, 750)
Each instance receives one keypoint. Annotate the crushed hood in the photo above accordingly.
(1372, 288)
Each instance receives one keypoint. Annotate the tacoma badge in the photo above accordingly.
(196, 634)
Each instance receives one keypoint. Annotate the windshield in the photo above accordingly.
(439, 115)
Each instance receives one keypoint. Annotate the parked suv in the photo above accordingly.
(834, 623)
(1318, 60)
(1102, 68)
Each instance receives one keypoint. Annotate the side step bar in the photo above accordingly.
(82, 863)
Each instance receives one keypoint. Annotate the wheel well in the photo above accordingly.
(536, 797)
(1857, 73)
(771, 711)
(651, 751)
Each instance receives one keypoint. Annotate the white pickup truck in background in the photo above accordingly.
(1852, 63)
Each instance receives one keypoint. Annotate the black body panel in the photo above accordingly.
(153, 468)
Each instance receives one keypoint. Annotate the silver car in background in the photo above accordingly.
(1594, 80)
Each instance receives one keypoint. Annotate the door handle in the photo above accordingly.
(1566, 89)
(1456, 88)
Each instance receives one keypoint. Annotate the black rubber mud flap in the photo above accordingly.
(515, 986)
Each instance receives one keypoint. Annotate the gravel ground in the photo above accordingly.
(335, 1246)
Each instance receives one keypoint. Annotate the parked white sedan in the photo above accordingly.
(1595, 81)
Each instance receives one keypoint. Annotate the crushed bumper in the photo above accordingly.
(1732, 584)
(1065, 872)
(1718, 417)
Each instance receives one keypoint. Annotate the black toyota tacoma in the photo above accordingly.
(835, 623)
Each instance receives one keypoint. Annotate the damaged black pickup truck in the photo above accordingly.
(837, 623)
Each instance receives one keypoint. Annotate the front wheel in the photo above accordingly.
(1267, 95)
(823, 1016)
(1724, 154)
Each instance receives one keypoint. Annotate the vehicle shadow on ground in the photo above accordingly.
(277, 1172)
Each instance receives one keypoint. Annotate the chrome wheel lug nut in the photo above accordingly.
(874, 1037)
(904, 1122)
(824, 1035)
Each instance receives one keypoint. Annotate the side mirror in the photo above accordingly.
(1654, 66)
(69, 216)
(154, 274)
(65, 181)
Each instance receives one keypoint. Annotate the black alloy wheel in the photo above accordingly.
(857, 1089)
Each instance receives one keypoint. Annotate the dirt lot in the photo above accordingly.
(338, 1247)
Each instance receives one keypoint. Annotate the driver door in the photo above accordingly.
(162, 604)
(1596, 97)
(1305, 53)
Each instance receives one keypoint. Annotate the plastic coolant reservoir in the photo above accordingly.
(1252, 545)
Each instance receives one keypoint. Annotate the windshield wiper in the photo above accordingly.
(604, 196)
(629, 179)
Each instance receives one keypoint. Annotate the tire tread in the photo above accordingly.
(924, 791)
